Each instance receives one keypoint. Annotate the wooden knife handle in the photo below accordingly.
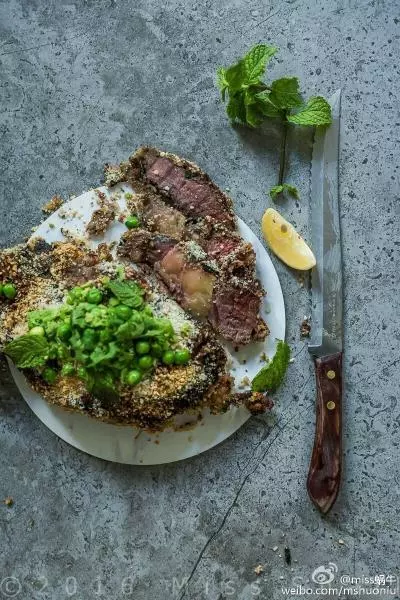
(326, 461)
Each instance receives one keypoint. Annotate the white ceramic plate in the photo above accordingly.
(125, 444)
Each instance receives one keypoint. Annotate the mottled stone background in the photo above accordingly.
(86, 82)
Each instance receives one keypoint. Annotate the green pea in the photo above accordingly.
(182, 357)
(49, 375)
(123, 312)
(64, 332)
(38, 330)
(133, 377)
(145, 362)
(142, 347)
(9, 290)
(156, 350)
(168, 357)
(94, 296)
(68, 369)
(132, 222)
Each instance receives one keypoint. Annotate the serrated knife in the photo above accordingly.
(326, 344)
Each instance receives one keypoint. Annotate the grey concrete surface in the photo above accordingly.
(83, 83)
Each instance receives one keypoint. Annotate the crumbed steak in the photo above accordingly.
(176, 199)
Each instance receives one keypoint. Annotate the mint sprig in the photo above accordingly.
(28, 351)
(270, 377)
(251, 101)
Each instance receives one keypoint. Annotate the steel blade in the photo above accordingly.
(326, 277)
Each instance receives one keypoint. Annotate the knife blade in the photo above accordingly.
(326, 340)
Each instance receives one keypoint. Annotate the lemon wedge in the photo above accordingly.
(285, 242)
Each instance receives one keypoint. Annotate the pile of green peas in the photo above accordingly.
(95, 335)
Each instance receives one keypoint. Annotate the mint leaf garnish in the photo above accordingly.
(316, 111)
(285, 93)
(255, 62)
(266, 106)
(270, 377)
(28, 351)
(128, 292)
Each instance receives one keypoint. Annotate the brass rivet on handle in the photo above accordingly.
(330, 405)
(331, 374)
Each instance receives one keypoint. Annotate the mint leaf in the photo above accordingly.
(28, 351)
(285, 187)
(266, 106)
(236, 108)
(256, 60)
(162, 328)
(275, 191)
(222, 82)
(316, 111)
(253, 115)
(246, 71)
(128, 292)
(292, 190)
(270, 377)
(285, 93)
(235, 77)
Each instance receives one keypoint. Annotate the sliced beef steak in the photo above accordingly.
(220, 246)
(235, 313)
(181, 206)
(182, 184)
(231, 304)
